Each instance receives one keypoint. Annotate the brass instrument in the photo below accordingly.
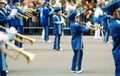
(19, 40)
(27, 38)
(18, 14)
(29, 12)
(24, 37)
(29, 56)
(92, 27)
(23, 16)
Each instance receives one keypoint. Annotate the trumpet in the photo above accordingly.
(29, 12)
(23, 16)
(27, 38)
(19, 40)
(18, 14)
(92, 27)
(29, 56)
(24, 37)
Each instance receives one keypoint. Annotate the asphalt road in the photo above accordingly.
(97, 59)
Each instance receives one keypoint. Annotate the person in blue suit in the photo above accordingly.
(77, 31)
(106, 20)
(9, 35)
(58, 23)
(17, 22)
(97, 20)
(5, 19)
(114, 27)
(47, 12)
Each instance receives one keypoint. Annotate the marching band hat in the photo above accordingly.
(111, 7)
(73, 14)
(47, 1)
(15, 1)
(3, 1)
(57, 9)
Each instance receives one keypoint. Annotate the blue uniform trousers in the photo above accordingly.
(57, 42)
(3, 73)
(3, 64)
(117, 70)
(20, 30)
(116, 56)
(46, 34)
(106, 35)
(31, 31)
(77, 60)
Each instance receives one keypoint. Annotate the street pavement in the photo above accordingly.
(97, 59)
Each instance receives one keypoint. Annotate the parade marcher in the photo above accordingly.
(9, 35)
(47, 12)
(105, 23)
(77, 31)
(96, 20)
(17, 22)
(113, 9)
(41, 14)
(58, 23)
(5, 18)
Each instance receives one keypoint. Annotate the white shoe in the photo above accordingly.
(60, 49)
(108, 42)
(80, 71)
(48, 41)
(13, 41)
(6, 71)
(73, 71)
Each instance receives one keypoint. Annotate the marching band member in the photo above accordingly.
(17, 22)
(77, 42)
(58, 23)
(5, 18)
(106, 32)
(5, 36)
(47, 12)
(113, 9)
(98, 12)
(41, 14)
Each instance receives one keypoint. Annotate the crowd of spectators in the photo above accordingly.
(86, 9)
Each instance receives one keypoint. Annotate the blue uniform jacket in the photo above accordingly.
(4, 17)
(105, 20)
(77, 30)
(16, 21)
(57, 24)
(46, 16)
(114, 27)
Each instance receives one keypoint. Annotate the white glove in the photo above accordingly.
(88, 24)
(12, 30)
(62, 20)
(13, 12)
(11, 33)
